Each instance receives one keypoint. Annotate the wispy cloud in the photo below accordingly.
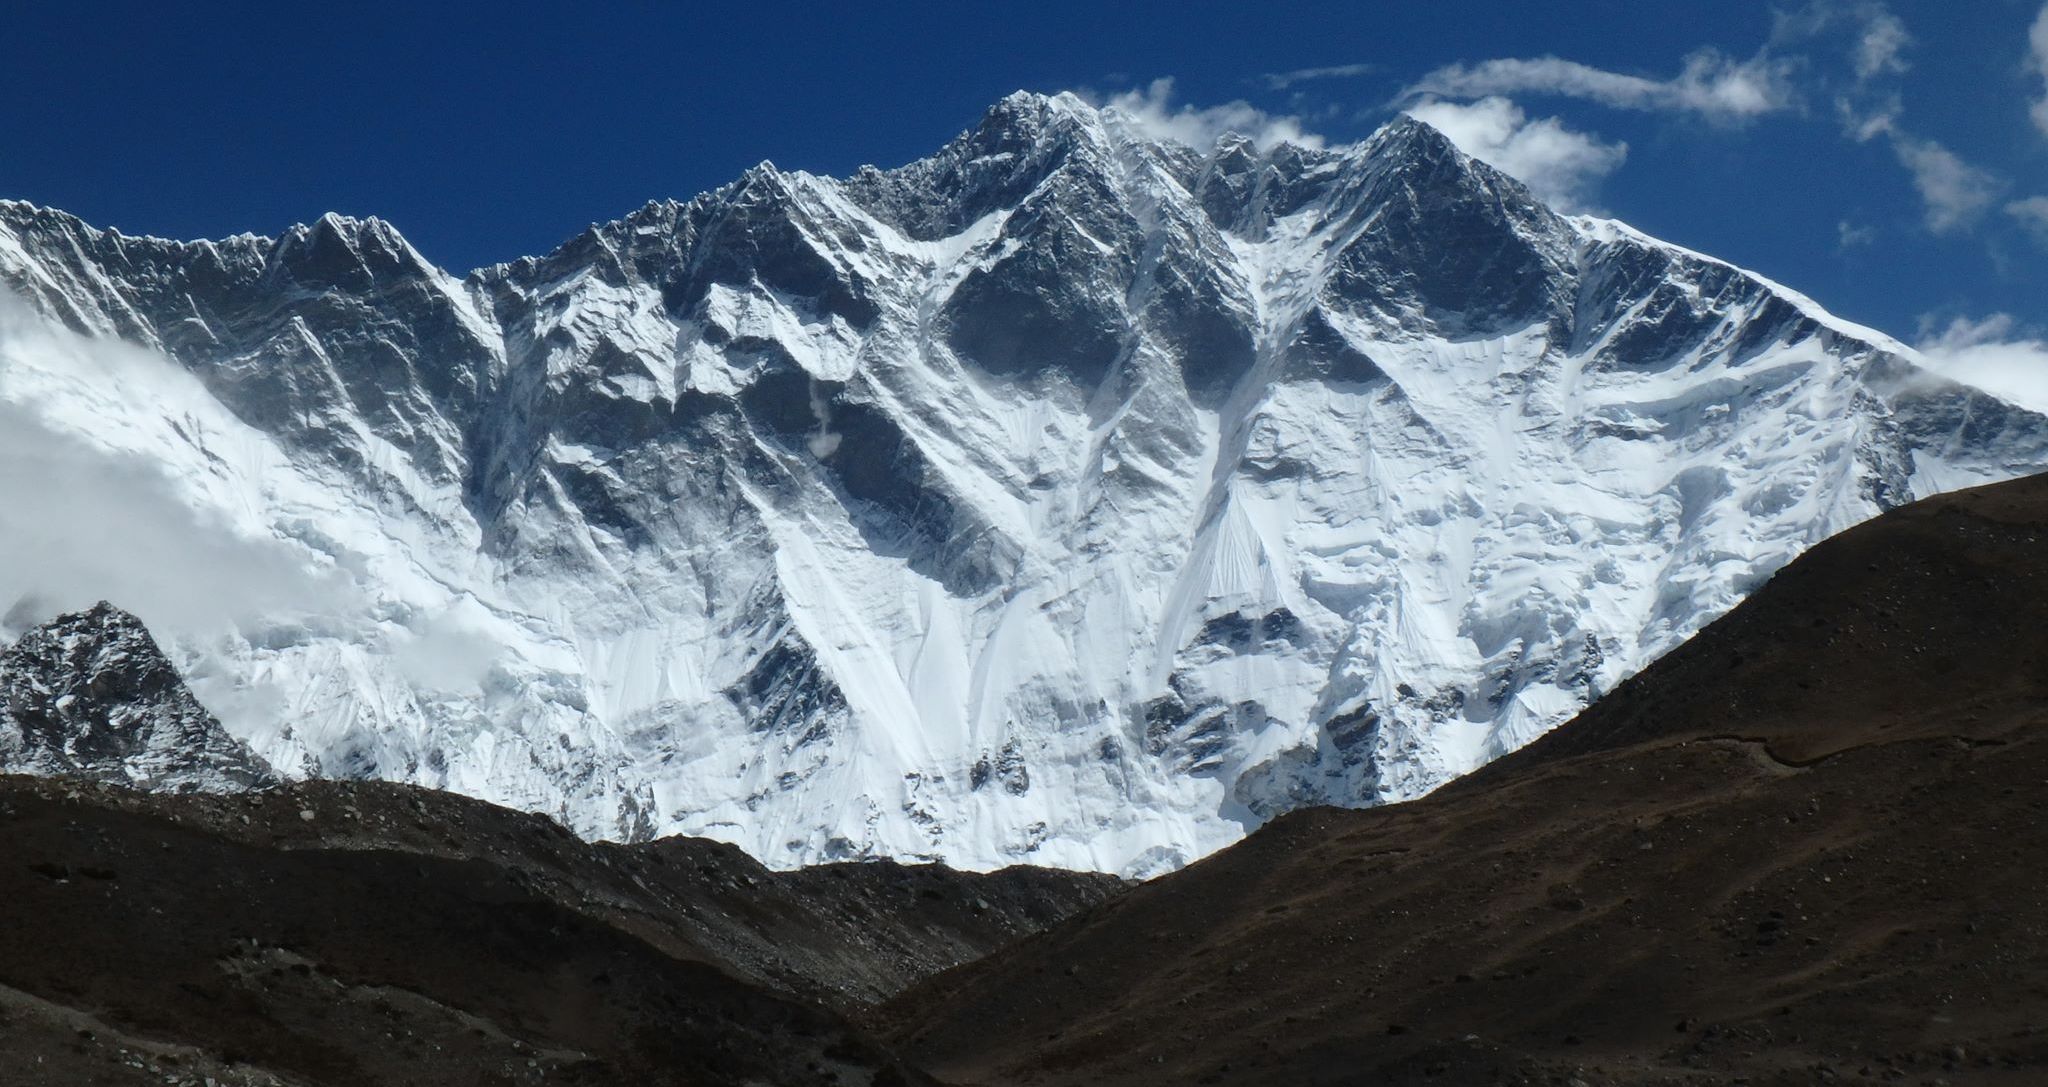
(1850, 236)
(1280, 81)
(1879, 49)
(1992, 353)
(1954, 193)
(1154, 113)
(1561, 166)
(1877, 39)
(2037, 54)
(1870, 42)
(1711, 84)
(2032, 213)
(1874, 43)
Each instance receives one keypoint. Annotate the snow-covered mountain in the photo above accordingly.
(1068, 496)
(90, 695)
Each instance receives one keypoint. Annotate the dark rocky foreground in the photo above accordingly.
(1805, 848)
(355, 934)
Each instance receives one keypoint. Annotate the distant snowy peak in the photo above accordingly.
(1068, 495)
(90, 695)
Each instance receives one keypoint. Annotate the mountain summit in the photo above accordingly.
(1069, 496)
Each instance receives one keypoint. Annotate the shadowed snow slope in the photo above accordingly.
(1065, 496)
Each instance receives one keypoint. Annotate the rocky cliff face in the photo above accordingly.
(90, 695)
(1067, 496)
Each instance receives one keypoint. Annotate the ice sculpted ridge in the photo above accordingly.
(1067, 496)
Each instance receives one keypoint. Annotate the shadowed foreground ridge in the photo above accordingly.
(358, 934)
(1803, 848)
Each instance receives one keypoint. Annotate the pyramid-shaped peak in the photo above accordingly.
(1030, 117)
(1411, 137)
(90, 694)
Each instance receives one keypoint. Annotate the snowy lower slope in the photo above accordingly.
(1065, 496)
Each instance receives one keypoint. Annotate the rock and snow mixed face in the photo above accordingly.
(90, 695)
(1065, 497)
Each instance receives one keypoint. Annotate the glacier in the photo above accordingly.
(1069, 496)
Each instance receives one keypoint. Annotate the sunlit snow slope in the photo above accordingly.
(1065, 497)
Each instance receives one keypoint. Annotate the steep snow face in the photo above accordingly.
(89, 694)
(1065, 497)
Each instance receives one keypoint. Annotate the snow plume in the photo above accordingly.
(1561, 166)
(1993, 354)
(2037, 57)
(825, 441)
(104, 493)
(1152, 112)
(1711, 85)
(1956, 194)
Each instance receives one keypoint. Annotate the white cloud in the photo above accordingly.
(2032, 213)
(1880, 47)
(1955, 193)
(1153, 113)
(1711, 84)
(1280, 81)
(1876, 39)
(1865, 117)
(1992, 354)
(84, 520)
(1561, 166)
(452, 650)
(2037, 50)
(1849, 236)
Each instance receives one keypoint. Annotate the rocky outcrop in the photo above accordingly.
(90, 695)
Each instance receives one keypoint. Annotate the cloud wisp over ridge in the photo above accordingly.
(1473, 104)
(1711, 84)
(1561, 166)
(1153, 112)
(1849, 53)
(1992, 353)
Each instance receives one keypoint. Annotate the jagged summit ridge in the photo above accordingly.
(1068, 495)
(89, 694)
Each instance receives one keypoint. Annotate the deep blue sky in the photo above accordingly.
(488, 132)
